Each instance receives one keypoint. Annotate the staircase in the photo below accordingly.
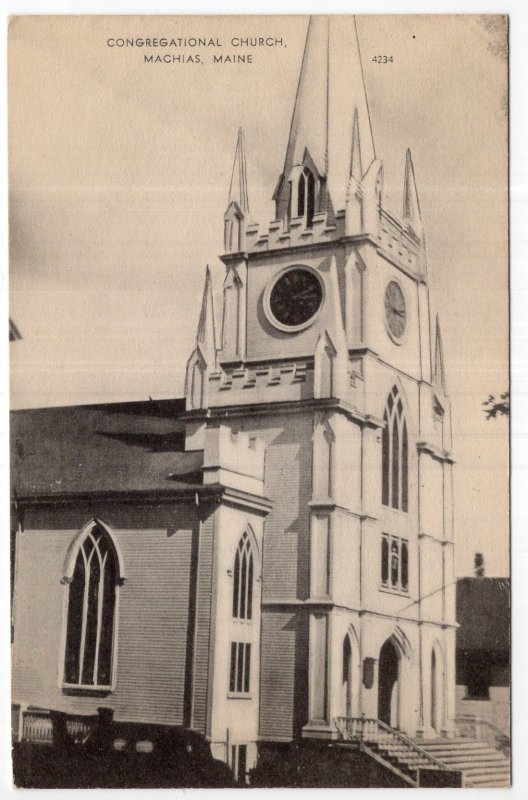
(395, 751)
(482, 765)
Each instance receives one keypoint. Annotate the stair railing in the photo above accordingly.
(392, 743)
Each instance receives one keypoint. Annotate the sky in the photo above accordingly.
(119, 175)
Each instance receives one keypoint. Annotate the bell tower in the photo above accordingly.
(324, 352)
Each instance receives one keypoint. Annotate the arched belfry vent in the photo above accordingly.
(395, 454)
(330, 95)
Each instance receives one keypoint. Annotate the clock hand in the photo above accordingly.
(398, 311)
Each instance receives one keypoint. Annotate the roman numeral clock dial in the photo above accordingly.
(294, 298)
(395, 311)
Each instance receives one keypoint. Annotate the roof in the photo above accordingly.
(483, 613)
(136, 446)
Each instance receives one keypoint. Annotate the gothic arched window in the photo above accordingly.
(306, 196)
(395, 455)
(243, 579)
(91, 611)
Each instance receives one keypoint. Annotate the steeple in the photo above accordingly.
(237, 212)
(411, 204)
(330, 111)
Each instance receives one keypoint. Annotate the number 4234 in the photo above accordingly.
(383, 59)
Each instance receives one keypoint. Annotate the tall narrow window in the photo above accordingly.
(385, 461)
(91, 610)
(239, 672)
(395, 455)
(385, 560)
(306, 196)
(243, 579)
(404, 566)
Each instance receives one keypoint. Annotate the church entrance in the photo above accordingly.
(388, 689)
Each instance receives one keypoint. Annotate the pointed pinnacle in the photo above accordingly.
(356, 170)
(411, 204)
(238, 188)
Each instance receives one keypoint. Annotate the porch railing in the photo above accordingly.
(36, 726)
(395, 750)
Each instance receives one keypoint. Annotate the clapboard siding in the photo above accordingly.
(152, 622)
(283, 673)
(202, 638)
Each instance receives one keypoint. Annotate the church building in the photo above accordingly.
(270, 558)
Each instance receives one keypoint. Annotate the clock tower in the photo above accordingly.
(328, 353)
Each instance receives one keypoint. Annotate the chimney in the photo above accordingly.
(479, 565)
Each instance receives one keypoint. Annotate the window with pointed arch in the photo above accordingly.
(243, 579)
(395, 454)
(91, 613)
(306, 196)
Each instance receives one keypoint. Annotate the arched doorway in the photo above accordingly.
(434, 695)
(388, 689)
(347, 676)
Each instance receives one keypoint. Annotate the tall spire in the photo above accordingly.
(238, 192)
(411, 204)
(331, 92)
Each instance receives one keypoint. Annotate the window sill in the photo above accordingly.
(394, 590)
(239, 696)
(86, 691)
(394, 510)
(478, 699)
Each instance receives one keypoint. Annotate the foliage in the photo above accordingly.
(496, 408)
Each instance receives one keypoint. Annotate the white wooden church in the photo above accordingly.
(271, 557)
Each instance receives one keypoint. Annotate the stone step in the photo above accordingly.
(483, 770)
(494, 756)
(466, 766)
(491, 783)
(482, 765)
(434, 748)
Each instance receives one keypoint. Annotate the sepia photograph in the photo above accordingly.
(260, 401)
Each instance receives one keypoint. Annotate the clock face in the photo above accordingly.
(395, 313)
(295, 298)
